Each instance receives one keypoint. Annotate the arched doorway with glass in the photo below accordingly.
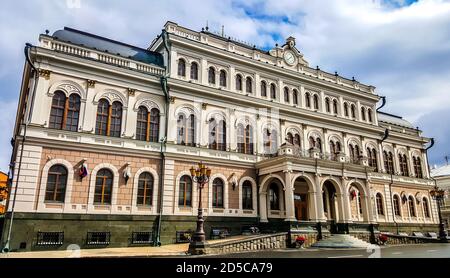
(332, 203)
(304, 200)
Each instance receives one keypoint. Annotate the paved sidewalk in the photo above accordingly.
(164, 250)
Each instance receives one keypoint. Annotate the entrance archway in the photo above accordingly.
(329, 197)
(271, 198)
(359, 209)
(302, 199)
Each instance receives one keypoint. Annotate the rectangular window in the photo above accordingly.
(142, 238)
(98, 238)
(50, 238)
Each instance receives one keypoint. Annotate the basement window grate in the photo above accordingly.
(50, 238)
(142, 238)
(98, 238)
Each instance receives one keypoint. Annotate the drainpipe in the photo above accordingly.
(6, 248)
(163, 141)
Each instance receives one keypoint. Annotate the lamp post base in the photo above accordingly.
(198, 247)
(442, 232)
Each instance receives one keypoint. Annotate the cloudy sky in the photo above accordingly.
(402, 47)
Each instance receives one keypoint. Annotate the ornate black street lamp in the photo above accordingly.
(438, 195)
(198, 243)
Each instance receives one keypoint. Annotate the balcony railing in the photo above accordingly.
(100, 56)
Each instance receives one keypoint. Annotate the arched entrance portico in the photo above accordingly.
(330, 204)
(271, 198)
(358, 203)
(305, 208)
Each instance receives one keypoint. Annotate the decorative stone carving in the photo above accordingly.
(131, 92)
(44, 73)
(204, 105)
(91, 83)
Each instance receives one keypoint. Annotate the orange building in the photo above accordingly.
(3, 191)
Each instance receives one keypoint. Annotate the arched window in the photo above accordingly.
(212, 76)
(217, 191)
(315, 143)
(353, 111)
(72, 113)
(56, 184)
(397, 205)
(186, 130)
(145, 189)
(147, 127)
(426, 208)
(238, 83)
(263, 89)
(65, 112)
(335, 148)
(346, 109)
(388, 162)
(332, 150)
(297, 140)
(103, 187)
(273, 91)
(217, 135)
(248, 85)
(247, 196)
(319, 144)
(141, 126)
(194, 71)
(412, 209)
(270, 141)
(417, 167)
(369, 114)
(57, 110)
(380, 207)
(316, 102)
(372, 158)
(327, 105)
(116, 119)
(245, 139)
(185, 192)
(363, 113)
(286, 94)
(223, 78)
(109, 118)
(354, 153)
(403, 165)
(335, 107)
(290, 138)
(274, 197)
(181, 68)
(307, 100)
(295, 97)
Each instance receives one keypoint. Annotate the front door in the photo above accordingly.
(301, 207)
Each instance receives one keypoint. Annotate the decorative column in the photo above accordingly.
(203, 71)
(263, 206)
(131, 115)
(289, 196)
(381, 158)
(258, 86)
(91, 108)
(346, 199)
(319, 197)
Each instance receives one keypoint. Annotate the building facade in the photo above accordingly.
(442, 177)
(106, 134)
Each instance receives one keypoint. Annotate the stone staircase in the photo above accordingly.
(341, 241)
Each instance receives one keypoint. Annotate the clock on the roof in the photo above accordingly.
(289, 57)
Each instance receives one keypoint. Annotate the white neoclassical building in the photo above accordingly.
(106, 134)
